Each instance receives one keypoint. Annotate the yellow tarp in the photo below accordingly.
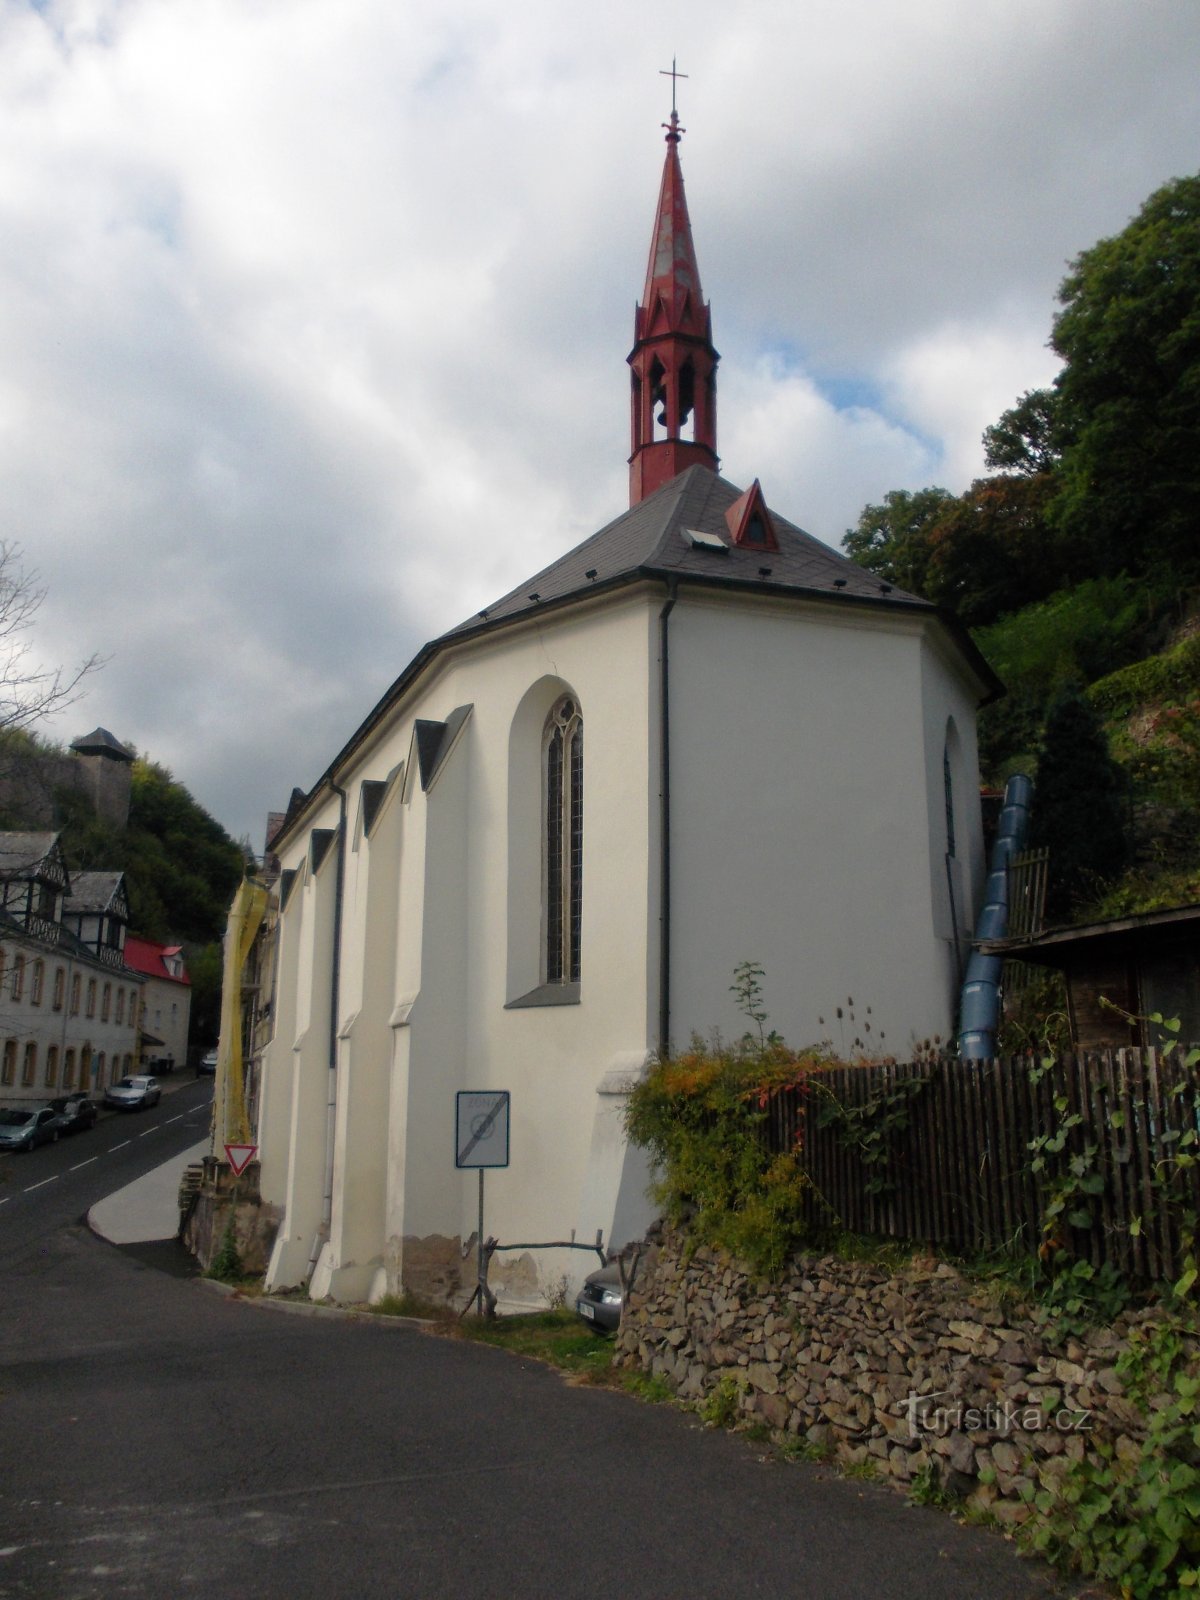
(231, 1123)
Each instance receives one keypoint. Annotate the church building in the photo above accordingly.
(699, 738)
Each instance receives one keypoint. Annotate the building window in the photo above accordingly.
(60, 987)
(18, 977)
(29, 1065)
(69, 1070)
(36, 982)
(948, 788)
(8, 1068)
(563, 841)
(106, 1003)
(76, 991)
(91, 997)
(51, 1066)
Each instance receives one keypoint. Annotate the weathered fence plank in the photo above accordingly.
(956, 1171)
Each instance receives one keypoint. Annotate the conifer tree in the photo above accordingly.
(1079, 806)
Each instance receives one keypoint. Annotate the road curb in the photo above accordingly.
(298, 1308)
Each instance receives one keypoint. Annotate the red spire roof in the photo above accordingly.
(672, 299)
(673, 362)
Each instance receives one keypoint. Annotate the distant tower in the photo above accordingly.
(673, 362)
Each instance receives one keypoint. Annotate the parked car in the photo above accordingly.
(599, 1301)
(22, 1128)
(207, 1063)
(75, 1113)
(133, 1093)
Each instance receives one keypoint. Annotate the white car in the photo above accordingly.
(133, 1094)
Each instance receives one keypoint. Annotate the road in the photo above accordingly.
(43, 1189)
(159, 1440)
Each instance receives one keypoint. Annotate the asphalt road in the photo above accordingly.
(159, 1440)
(42, 1189)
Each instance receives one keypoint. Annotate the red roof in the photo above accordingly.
(145, 956)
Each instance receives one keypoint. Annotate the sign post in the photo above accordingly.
(481, 1140)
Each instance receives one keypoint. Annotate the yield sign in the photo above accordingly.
(240, 1156)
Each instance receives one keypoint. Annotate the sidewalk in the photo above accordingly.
(147, 1209)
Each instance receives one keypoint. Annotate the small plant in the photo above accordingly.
(721, 1406)
(650, 1387)
(226, 1265)
(925, 1488)
(557, 1291)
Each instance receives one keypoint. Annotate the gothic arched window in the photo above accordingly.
(562, 745)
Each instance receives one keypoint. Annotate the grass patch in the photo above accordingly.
(558, 1338)
(411, 1305)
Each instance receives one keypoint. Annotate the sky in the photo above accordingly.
(314, 313)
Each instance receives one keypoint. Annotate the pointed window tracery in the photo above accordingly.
(562, 746)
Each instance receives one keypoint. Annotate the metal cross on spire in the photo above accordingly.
(673, 75)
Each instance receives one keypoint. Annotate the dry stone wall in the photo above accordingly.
(914, 1372)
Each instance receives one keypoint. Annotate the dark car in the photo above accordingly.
(29, 1126)
(599, 1301)
(75, 1113)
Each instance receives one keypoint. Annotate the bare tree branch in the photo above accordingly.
(29, 692)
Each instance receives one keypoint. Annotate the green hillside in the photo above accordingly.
(1076, 564)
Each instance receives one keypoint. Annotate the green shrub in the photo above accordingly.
(700, 1115)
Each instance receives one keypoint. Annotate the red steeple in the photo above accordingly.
(673, 362)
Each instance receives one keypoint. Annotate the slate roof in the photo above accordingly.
(650, 541)
(93, 891)
(22, 853)
(102, 743)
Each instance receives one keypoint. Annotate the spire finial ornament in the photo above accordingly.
(674, 131)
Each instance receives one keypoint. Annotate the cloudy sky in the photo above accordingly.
(313, 313)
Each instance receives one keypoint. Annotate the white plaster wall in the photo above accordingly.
(806, 757)
(450, 948)
(45, 1026)
(800, 792)
(311, 1081)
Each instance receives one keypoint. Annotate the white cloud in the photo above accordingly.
(313, 313)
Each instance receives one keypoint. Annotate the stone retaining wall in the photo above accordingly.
(913, 1372)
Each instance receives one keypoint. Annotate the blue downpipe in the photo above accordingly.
(980, 1014)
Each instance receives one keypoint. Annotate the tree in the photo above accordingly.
(990, 550)
(893, 539)
(1128, 406)
(1078, 806)
(28, 692)
(1026, 438)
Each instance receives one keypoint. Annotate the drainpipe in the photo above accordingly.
(980, 1014)
(335, 978)
(664, 692)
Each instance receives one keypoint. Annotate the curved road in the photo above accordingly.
(159, 1440)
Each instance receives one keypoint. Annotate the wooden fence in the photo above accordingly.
(943, 1153)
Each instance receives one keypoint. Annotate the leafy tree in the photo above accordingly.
(180, 865)
(990, 550)
(1128, 403)
(1079, 808)
(1026, 439)
(894, 539)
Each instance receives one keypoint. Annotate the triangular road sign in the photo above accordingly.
(240, 1156)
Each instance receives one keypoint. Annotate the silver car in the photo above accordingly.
(133, 1093)
(21, 1128)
